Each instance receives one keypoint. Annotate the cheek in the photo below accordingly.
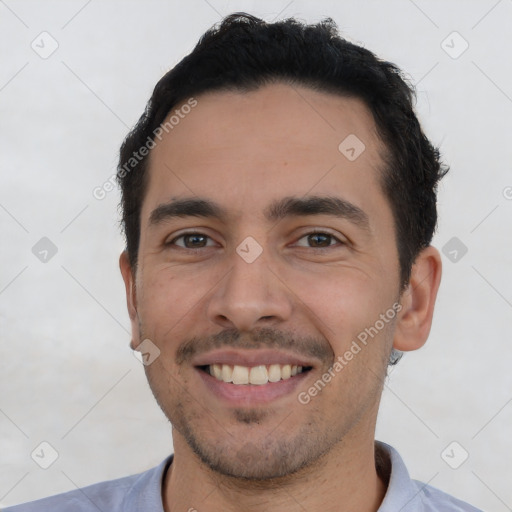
(166, 302)
(348, 311)
(344, 302)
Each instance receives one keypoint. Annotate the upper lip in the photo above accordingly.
(249, 358)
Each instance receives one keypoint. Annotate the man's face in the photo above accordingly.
(258, 279)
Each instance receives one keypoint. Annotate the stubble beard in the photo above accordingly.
(258, 460)
(276, 455)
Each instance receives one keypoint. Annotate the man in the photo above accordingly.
(279, 200)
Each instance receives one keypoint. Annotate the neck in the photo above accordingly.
(344, 479)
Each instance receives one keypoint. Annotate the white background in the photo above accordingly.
(67, 375)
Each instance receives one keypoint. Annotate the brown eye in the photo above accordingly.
(191, 241)
(318, 240)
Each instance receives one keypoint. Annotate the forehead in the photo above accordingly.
(249, 148)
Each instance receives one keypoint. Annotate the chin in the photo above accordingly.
(259, 457)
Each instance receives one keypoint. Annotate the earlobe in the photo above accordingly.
(418, 301)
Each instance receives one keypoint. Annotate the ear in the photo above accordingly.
(418, 300)
(131, 298)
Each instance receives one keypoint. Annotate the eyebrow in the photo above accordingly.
(187, 207)
(318, 205)
(278, 210)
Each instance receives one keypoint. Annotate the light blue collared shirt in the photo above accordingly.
(143, 493)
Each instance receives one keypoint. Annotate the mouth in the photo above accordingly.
(246, 378)
(258, 375)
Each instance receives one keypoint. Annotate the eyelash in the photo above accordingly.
(309, 233)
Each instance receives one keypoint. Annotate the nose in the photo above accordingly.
(250, 295)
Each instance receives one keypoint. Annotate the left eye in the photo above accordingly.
(191, 241)
(319, 239)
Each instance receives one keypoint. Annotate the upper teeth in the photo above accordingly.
(255, 374)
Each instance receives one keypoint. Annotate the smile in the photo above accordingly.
(256, 375)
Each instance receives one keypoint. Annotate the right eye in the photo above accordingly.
(191, 240)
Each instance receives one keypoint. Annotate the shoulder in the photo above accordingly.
(113, 495)
(90, 498)
(433, 500)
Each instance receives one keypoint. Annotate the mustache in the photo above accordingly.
(262, 338)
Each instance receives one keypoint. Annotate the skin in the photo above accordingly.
(244, 151)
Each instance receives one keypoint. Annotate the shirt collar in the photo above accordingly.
(402, 495)
(146, 492)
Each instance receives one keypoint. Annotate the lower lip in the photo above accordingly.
(251, 394)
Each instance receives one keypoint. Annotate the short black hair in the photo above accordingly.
(244, 53)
